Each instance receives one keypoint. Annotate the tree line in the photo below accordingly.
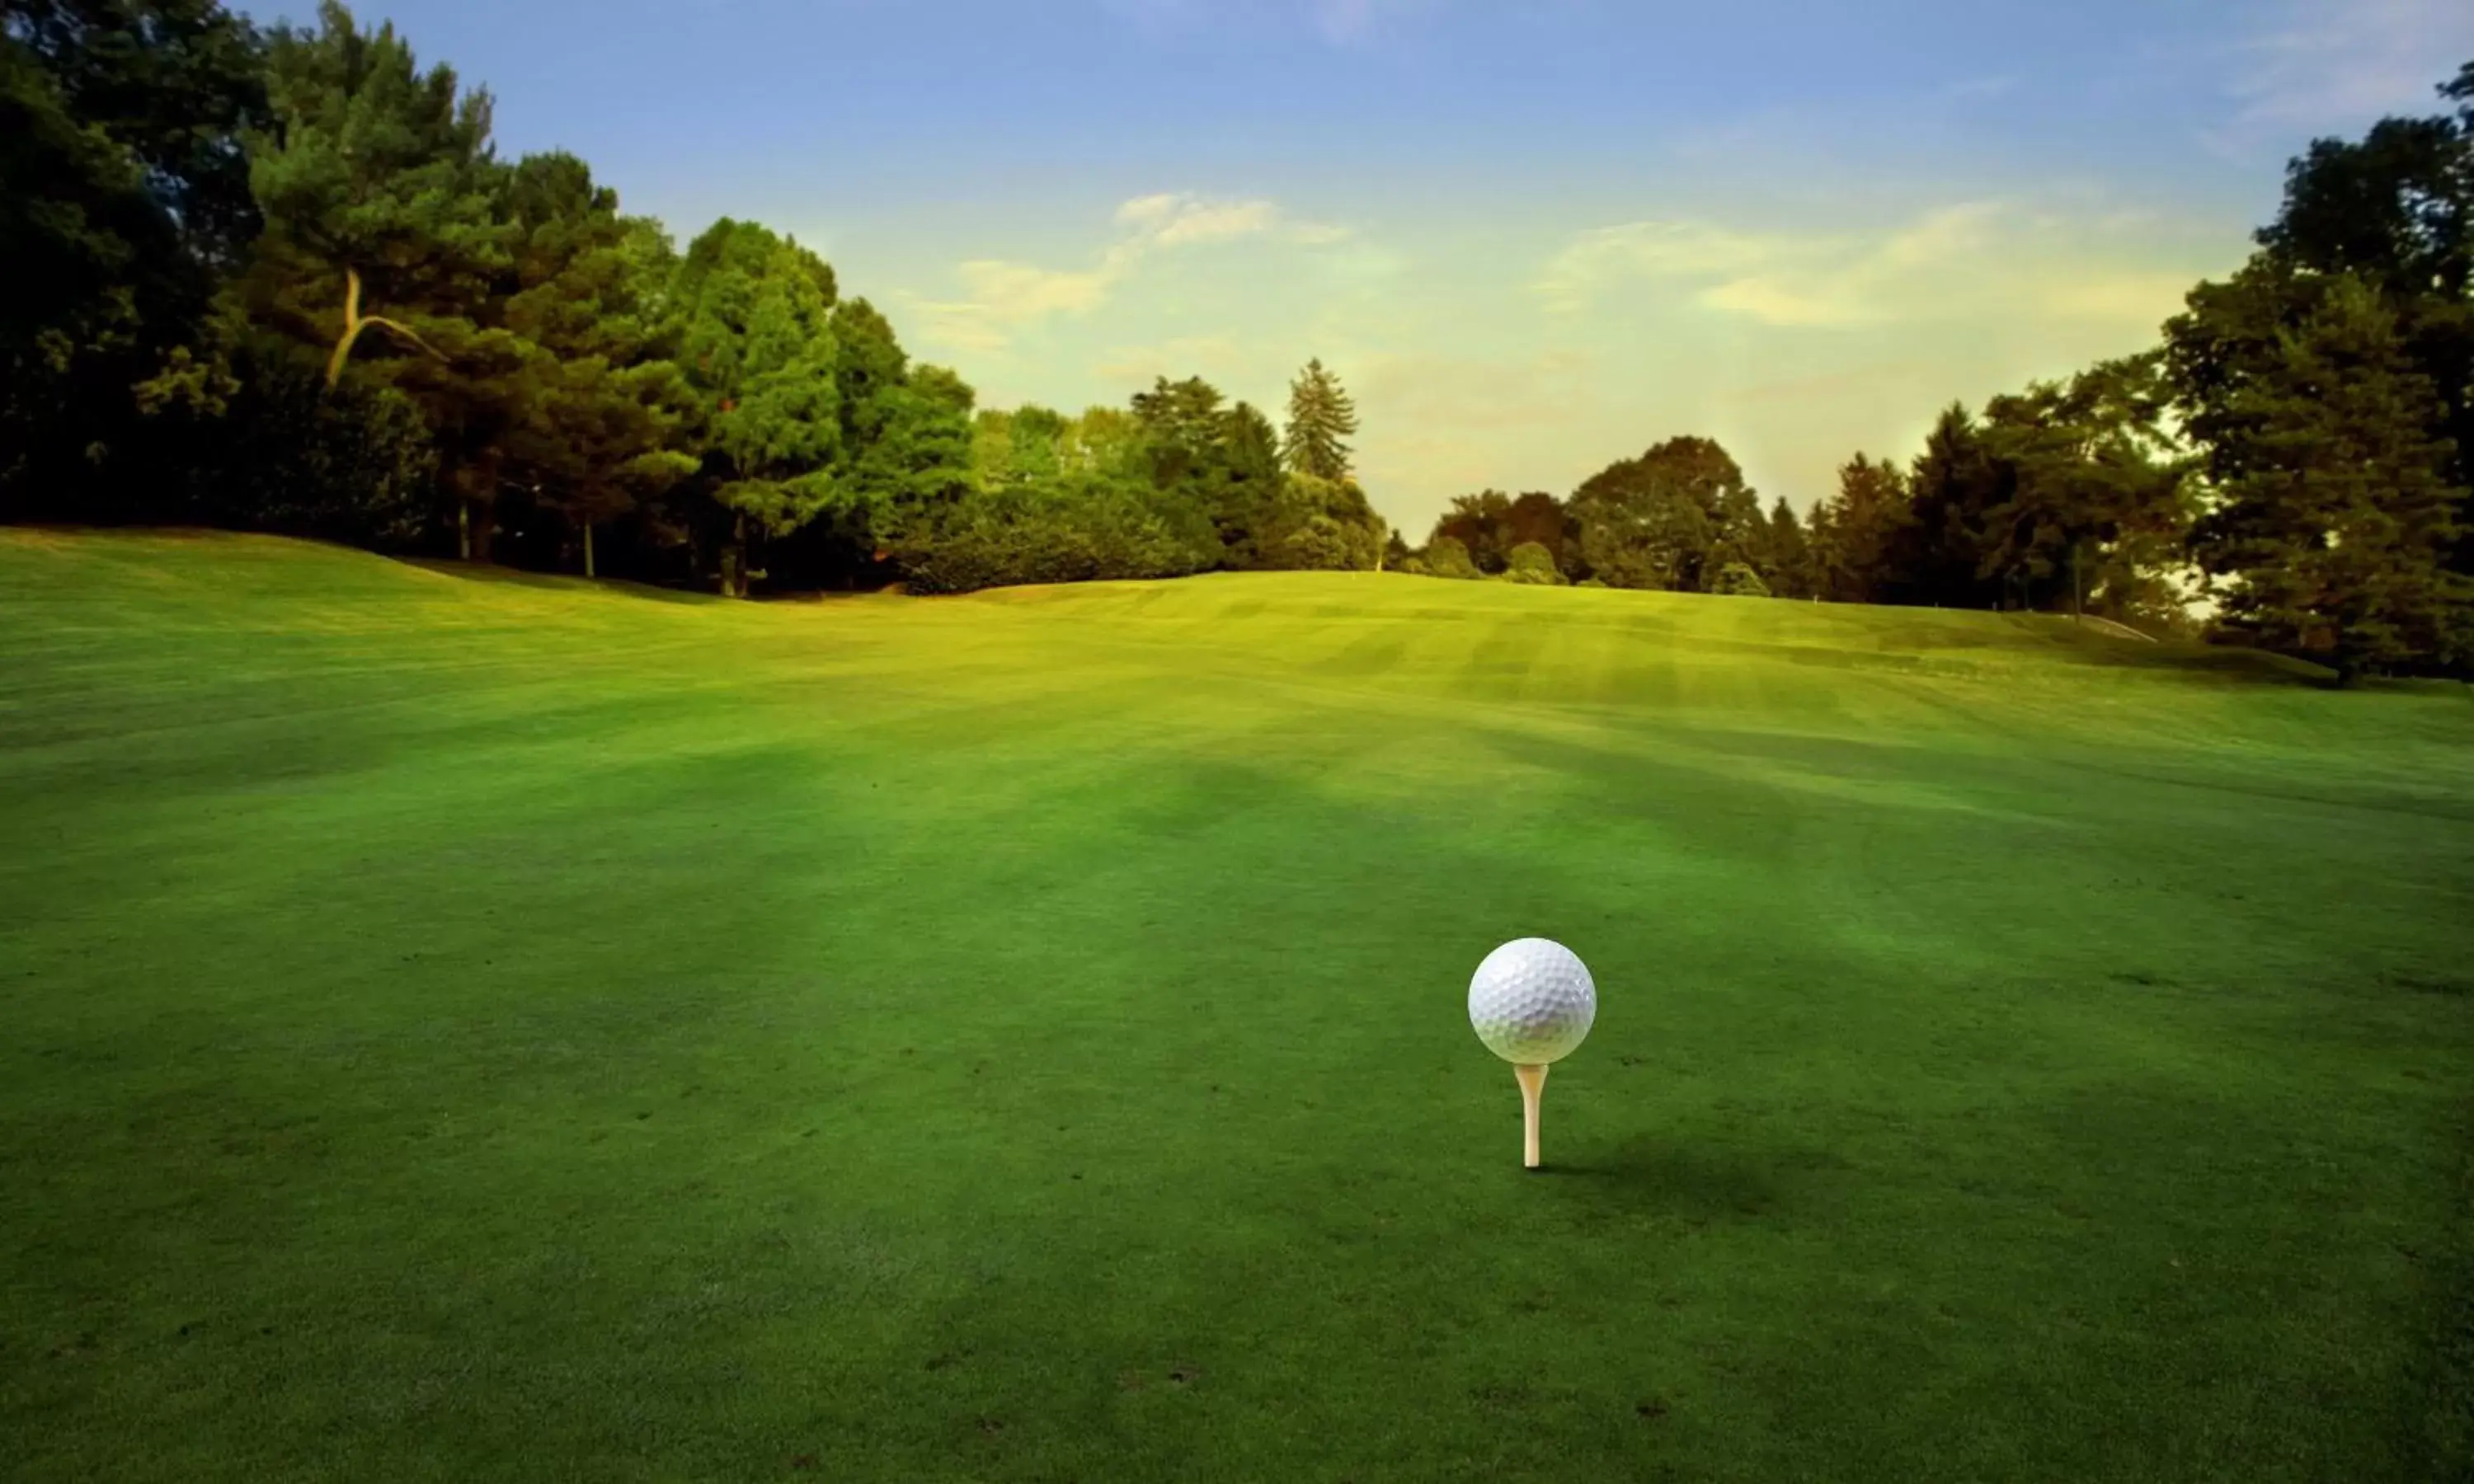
(281, 279)
(2298, 448)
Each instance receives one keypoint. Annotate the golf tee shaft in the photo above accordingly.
(1532, 1086)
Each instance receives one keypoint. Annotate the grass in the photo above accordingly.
(466, 1029)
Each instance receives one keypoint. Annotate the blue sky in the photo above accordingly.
(1532, 235)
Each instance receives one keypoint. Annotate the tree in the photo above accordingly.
(1738, 580)
(378, 184)
(1213, 457)
(2329, 514)
(1855, 531)
(1482, 523)
(2396, 211)
(758, 348)
(1447, 556)
(386, 208)
(1933, 556)
(1321, 420)
(1246, 498)
(124, 201)
(602, 415)
(1325, 525)
(1788, 570)
(1666, 519)
(1531, 563)
(2093, 491)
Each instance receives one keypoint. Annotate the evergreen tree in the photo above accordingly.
(604, 415)
(2329, 514)
(386, 209)
(1856, 532)
(758, 347)
(2396, 209)
(1934, 555)
(1738, 580)
(1247, 497)
(1321, 420)
(1788, 569)
(380, 189)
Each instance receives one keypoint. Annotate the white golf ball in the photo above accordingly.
(1531, 1001)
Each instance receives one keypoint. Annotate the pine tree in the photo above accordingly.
(2329, 513)
(1789, 572)
(758, 347)
(1855, 533)
(1321, 420)
(605, 415)
(386, 210)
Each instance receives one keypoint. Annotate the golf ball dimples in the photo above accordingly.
(1531, 1001)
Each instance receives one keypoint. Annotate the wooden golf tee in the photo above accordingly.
(1533, 1085)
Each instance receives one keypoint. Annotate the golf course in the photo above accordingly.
(467, 1024)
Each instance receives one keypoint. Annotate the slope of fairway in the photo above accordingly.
(468, 1025)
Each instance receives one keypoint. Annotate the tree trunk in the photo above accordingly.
(355, 321)
(588, 548)
(485, 529)
(2078, 598)
(463, 529)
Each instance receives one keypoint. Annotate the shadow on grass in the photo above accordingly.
(1660, 1175)
(557, 582)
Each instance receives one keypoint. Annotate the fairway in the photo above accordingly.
(471, 1025)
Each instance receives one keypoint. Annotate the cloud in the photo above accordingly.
(1170, 221)
(1338, 22)
(2330, 64)
(1003, 297)
(1985, 257)
(1343, 22)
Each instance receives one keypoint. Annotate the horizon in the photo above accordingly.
(1800, 229)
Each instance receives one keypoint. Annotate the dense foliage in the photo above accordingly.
(290, 285)
(287, 282)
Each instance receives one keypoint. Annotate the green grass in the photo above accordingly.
(466, 1027)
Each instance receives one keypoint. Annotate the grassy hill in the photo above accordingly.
(473, 1025)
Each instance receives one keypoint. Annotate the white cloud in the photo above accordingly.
(1174, 220)
(1003, 297)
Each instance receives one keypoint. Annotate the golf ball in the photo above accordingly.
(1531, 1001)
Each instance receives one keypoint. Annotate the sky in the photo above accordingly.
(1531, 236)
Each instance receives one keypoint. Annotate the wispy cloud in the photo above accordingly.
(1339, 22)
(1969, 259)
(1001, 296)
(1343, 22)
(2327, 65)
